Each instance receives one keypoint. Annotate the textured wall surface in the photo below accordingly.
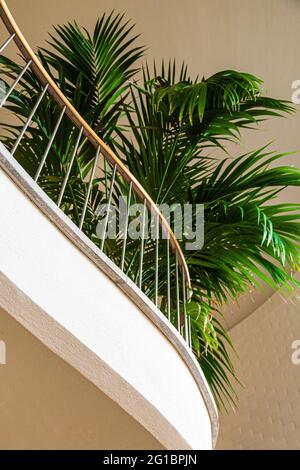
(268, 415)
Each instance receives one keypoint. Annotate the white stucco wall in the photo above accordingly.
(77, 311)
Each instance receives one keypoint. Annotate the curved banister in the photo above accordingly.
(89, 133)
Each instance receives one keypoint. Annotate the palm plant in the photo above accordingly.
(166, 127)
(175, 122)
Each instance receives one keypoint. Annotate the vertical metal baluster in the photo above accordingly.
(168, 279)
(28, 122)
(108, 206)
(156, 260)
(65, 181)
(8, 40)
(177, 296)
(190, 332)
(142, 244)
(126, 228)
(15, 84)
(186, 332)
(89, 189)
(42, 163)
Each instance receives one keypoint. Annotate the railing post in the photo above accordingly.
(5, 98)
(142, 245)
(5, 44)
(156, 261)
(108, 207)
(177, 296)
(168, 279)
(89, 188)
(42, 163)
(65, 181)
(126, 228)
(28, 122)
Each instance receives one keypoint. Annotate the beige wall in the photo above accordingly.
(46, 404)
(268, 414)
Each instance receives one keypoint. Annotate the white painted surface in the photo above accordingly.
(83, 313)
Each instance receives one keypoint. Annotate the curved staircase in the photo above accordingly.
(138, 348)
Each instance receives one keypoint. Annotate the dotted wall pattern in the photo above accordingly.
(268, 413)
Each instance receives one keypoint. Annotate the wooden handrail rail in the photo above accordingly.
(89, 133)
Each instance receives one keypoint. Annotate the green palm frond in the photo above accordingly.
(213, 109)
(248, 239)
(94, 69)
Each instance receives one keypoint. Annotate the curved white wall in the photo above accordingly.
(80, 314)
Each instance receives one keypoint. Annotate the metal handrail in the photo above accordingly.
(50, 87)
